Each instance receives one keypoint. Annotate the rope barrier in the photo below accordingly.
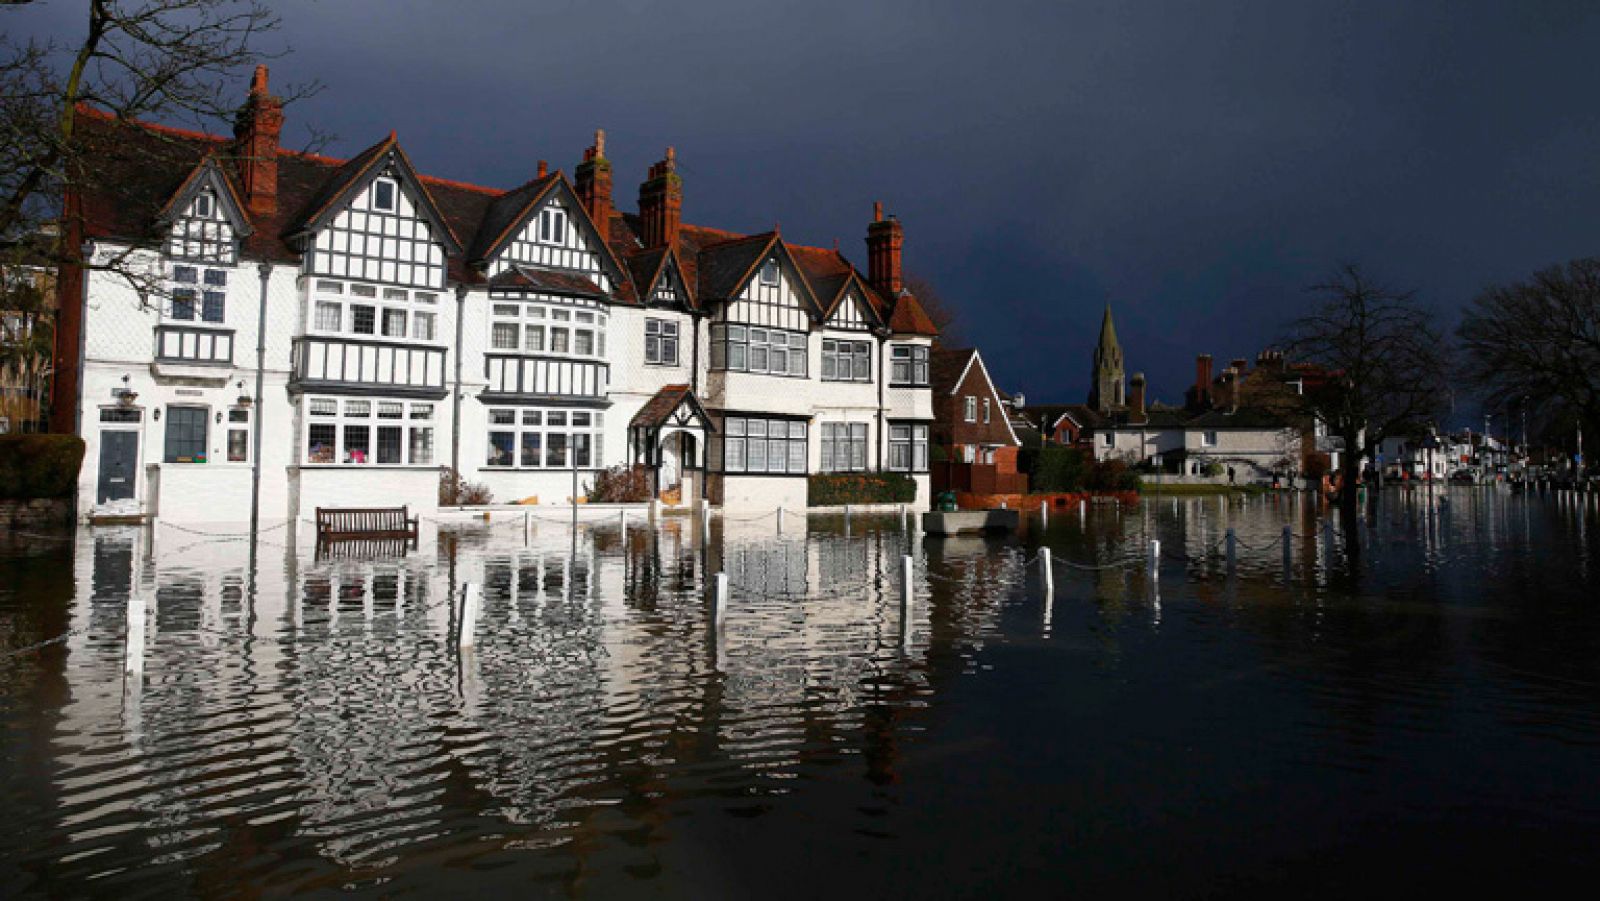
(39, 645)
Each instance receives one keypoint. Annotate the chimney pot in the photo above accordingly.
(256, 130)
(661, 203)
(885, 237)
(544, 168)
(592, 184)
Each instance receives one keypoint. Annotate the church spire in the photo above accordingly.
(1107, 386)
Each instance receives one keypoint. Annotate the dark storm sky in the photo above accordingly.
(1193, 164)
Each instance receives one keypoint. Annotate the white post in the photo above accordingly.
(905, 583)
(1083, 510)
(1155, 556)
(847, 519)
(1047, 572)
(1044, 514)
(705, 522)
(719, 606)
(133, 657)
(780, 520)
(903, 517)
(473, 596)
(622, 521)
(1233, 550)
(527, 525)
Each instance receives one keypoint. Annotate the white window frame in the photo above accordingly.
(769, 271)
(547, 322)
(415, 416)
(844, 447)
(969, 405)
(746, 439)
(735, 347)
(856, 356)
(385, 301)
(908, 366)
(553, 226)
(394, 194)
(545, 423)
(660, 336)
(1208, 438)
(908, 447)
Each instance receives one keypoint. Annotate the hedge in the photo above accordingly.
(833, 489)
(1056, 469)
(39, 465)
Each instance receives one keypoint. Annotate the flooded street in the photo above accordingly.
(1427, 719)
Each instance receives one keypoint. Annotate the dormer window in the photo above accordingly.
(383, 195)
(203, 205)
(769, 272)
(553, 226)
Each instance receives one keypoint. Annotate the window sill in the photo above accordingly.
(492, 467)
(664, 364)
(908, 384)
(846, 381)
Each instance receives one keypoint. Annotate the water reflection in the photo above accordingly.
(306, 723)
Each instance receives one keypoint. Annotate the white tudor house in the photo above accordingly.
(333, 332)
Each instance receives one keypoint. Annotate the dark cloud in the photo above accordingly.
(1195, 165)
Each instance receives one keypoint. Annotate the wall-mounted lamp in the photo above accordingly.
(126, 397)
(219, 417)
(156, 414)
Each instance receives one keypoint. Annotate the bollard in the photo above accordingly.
(1047, 572)
(705, 526)
(780, 520)
(719, 605)
(1044, 514)
(1233, 550)
(905, 583)
(1288, 549)
(622, 521)
(469, 614)
(527, 525)
(133, 655)
(902, 517)
(1083, 511)
(1155, 556)
(847, 517)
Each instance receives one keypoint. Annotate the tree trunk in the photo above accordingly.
(1349, 499)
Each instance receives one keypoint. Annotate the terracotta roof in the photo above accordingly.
(909, 318)
(658, 409)
(504, 213)
(548, 280)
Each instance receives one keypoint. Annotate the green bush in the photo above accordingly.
(621, 485)
(832, 489)
(39, 465)
(1055, 469)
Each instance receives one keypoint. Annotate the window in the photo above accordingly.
(908, 366)
(423, 326)
(844, 447)
(363, 319)
(970, 409)
(238, 435)
(763, 445)
(986, 410)
(747, 349)
(553, 226)
(383, 194)
(1208, 439)
(190, 302)
(330, 316)
(533, 438)
(583, 342)
(846, 361)
(908, 447)
(661, 342)
(394, 323)
(183, 304)
(1106, 439)
(204, 205)
(186, 434)
(503, 336)
(362, 432)
(769, 272)
(558, 340)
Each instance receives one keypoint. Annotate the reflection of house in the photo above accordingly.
(971, 428)
(336, 330)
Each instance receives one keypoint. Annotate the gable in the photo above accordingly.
(385, 231)
(204, 220)
(669, 289)
(851, 313)
(555, 232)
(773, 294)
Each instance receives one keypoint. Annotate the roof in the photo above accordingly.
(549, 281)
(658, 409)
(144, 165)
(947, 366)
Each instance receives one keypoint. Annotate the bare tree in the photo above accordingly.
(937, 308)
(175, 61)
(1536, 344)
(1382, 365)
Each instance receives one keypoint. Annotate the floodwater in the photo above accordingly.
(1425, 719)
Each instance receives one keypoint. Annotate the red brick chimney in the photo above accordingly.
(593, 183)
(257, 128)
(661, 203)
(884, 239)
(1136, 397)
(1202, 379)
(1228, 396)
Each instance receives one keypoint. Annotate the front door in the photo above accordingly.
(119, 456)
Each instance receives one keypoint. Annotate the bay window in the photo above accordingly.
(363, 432)
(908, 366)
(844, 447)
(908, 447)
(752, 445)
(540, 438)
(354, 308)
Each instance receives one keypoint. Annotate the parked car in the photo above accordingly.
(1464, 477)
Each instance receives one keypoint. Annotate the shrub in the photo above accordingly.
(621, 485)
(1054, 469)
(39, 465)
(454, 491)
(1212, 469)
(832, 489)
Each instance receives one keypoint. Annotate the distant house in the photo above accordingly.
(971, 428)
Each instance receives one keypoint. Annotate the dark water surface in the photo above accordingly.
(1426, 719)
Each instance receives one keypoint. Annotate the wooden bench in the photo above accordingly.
(366, 524)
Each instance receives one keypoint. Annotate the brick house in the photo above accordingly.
(976, 445)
